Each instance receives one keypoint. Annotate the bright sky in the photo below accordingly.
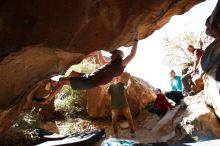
(147, 63)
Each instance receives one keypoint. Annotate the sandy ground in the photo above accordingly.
(144, 122)
(143, 125)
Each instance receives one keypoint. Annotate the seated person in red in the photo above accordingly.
(161, 105)
(102, 76)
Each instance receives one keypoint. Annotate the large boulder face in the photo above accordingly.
(199, 120)
(138, 95)
(210, 62)
(212, 88)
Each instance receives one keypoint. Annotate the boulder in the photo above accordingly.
(29, 66)
(199, 85)
(139, 94)
(199, 120)
(192, 118)
(213, 22)
(210, 63)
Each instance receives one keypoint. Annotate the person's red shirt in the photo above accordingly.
(198, 54)
(162, 103)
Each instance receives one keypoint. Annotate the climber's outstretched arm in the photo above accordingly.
(132, 53)
(101, 58)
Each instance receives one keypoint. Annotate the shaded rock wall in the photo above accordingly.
(213, 22)
(138, 95)
(210, 62)
(212, 89)
(20, 74)
(30, 66)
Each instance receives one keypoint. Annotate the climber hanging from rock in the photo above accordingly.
(44, 88)
(102, 76)
(197, 54)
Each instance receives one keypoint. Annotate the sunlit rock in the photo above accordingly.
(193, 118)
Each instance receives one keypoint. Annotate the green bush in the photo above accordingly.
(71, 97)
(74, 99)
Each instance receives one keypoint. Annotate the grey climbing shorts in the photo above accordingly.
(80, 83)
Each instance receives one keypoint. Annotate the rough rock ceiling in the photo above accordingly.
(82, 25)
